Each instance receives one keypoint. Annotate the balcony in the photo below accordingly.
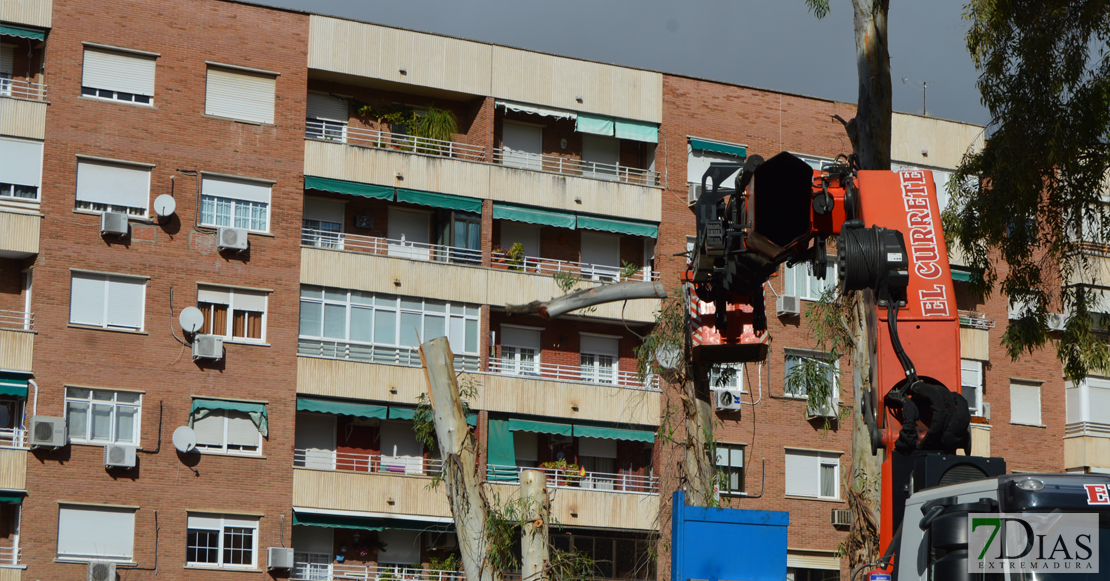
(575, 167)
(23, 111)
(623, 483)
(13, 438)
(339, 572)
(382, 492)
(360, 137)
(19, 233)
(368, 353)
(16, 350)
(27, 12)
(573, 374)
(17, 320)
(366, 463)
(13, 469)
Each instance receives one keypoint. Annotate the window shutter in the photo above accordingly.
(117, 71)
(86, 299)
(249, 301)
(517, 337)
(526, 446)
(601, 250)
(599, 345)
(1098, 399)
(1025, 404)
(597, 447)
(241, 431)
(240, 95)
(111, 183)
(22, 163)
(96, 532)
(210, 429)
(7, 59)
(801, 474)
(125, 302)
(324, 210)
(326, 107)
(247, 190)
(205, 522)
(601, 149)
(526, 234)
(212, 294)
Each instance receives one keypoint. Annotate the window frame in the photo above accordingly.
(821, 458)
(512, 352)
(115, 404)
(214, 201)
(821, 357)
(115, 94)
(975, 406)
(10, 187)
(596, 374)
(226, 522)
(243, 72)
(79, 557)
(790, 275)
(727, 468)
(107, 280)
(223, 450)
(1040, 402)
(101, 207)
(738, 384)
(229, 318)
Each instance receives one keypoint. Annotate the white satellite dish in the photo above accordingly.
(668, 356)
(191, 319)
(184, 439)
(165, 205)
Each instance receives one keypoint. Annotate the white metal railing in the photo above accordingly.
(9, 555)
(573, 479)
(22, 89)
(975, 320)
(367, 353)
(18, 320)
(389, 247)
(13, 438)
(573, 373)
(584, 270)
(305, 571)
(577, 167)
(338, 132)
(349, 462)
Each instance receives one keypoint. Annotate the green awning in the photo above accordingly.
(595, 124)
(532, 216)
(613, 433)
(637, 131)
(13, 384)
(618, 226)
(499, 444)
(256, 411)
(341, 408)
(401, 413)
(9, 30)
(418, 525)
(961, 275)
(472, 418)
(439, 200)
(349, 188)
(702, 145)
(539, 427)
(337, 522)
(11, 498)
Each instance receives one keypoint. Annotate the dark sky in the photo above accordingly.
(766, 44)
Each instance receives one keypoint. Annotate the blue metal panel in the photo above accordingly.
(727, 544)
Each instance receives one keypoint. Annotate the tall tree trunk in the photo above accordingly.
(469, 505)
(871, 139)
(864, 497)
(700, 468)
(534, 551)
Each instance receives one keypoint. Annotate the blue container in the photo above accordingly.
(727, 543)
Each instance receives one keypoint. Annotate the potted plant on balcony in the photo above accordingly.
(569, 473)
(438, 126)
(515, 257)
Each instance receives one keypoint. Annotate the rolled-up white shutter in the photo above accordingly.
(241, 431)
(326, 107)
(210, 429)
(213, 523)
(87, 531)
(118, 71)
(526, 446)
(86, 299)
(247, 190)
(7, 59)
(125, 302)
(1025, 404)
(324, 210)
(240, 95)
(213, 294)
(21, 162)
(249, 300)
(801, 473)
(599, 345)
(113, 183)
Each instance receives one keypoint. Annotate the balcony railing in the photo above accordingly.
(13, 438)
(366, 353)
(9, 555)
(575, 167)
(975, 320)
(340, 133)
(312, 567)
(17, 320)
(567, 479)
(466, 256)
(22, 89)
(572, 373)
(348, 462)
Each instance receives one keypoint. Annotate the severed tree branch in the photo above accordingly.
(589, 297)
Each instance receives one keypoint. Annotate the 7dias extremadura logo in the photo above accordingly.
(1028, 542)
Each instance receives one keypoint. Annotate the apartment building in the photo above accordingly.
(270, 169)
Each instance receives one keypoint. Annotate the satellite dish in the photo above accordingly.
(184, 439)
(191, 319)
(165, 205)
(668, 356)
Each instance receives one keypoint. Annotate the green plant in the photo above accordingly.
(566, 280)
(629, 270)
(515, 256)
(667, 341)
(449, 563)
(571, 566)
(435, 124)
(826, 321)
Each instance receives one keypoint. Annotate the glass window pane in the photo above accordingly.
(362, 298)
(471, 336)
(474, 236)
(434, 327)
(77, 393)
(412, 304)
(457, 309)
(362, 324)
(127, 397)
(102, 395)
(788, 281)
(125, 424)
(77, 419)
(472, 311)
(311, 315)
(828, 480)
(410, 328)
(435, 307)
(101, 422)
(315, 292)
(332, 294)
(385, 327)
(335, 321)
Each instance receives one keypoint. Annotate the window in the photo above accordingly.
(727, 376)
(327, 118)
(410, 233)
(221, 541)
(520, 350)
(601, 256)
(7, 68)
(797, 280)
(237, 314)
(522, 145)
(240, 94)
(803, 368)
(700, 153)
(1025, 403)
(527, 235)
(96, 532)
(104, 186)
(600, 156)
(322, 223)
(396, 323)
(797, 574)
(526, 446)
(599, 358)
(466, 234)
(228, 432)
(100, 416)
(118, 75)
(813, 474)
(599, 457)
(107, 301)
(242, 203)
(971, 384)
(21, 172)
(730, 463)
(1088, 404)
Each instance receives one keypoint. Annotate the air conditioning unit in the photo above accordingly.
(114, 223)
(279, 558)
(48, 432)
(693, 195)
(729, 399)
(828, 410)
(987, 411)
(841, 517)
(231, 238)
(102, 571)
(1056, 321)
(788, 305)
(119, 456)
(208, 347)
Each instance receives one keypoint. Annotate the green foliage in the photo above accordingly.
(1034, 192)
(439, 124)
(433, 124)
(826, 321)
(667, 337)
(571, 566)
(423, 423)
(566, 280)
(503, 524)
(629, 270)
(515, 256)
(451, 562)
(819, 8)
